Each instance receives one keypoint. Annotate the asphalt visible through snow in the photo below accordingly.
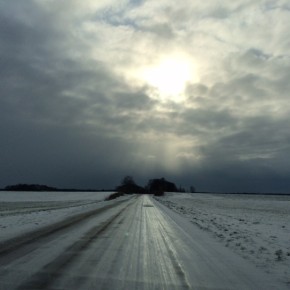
(130, 244)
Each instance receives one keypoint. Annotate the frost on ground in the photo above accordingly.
(22, 212)
(257, 227)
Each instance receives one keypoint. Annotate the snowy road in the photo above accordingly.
(130, 244)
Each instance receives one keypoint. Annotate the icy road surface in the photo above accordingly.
(134, 243)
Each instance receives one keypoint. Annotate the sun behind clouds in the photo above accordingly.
(169, 76)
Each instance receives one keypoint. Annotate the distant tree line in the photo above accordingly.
(156, 186)
(29, 187)
(40, 187)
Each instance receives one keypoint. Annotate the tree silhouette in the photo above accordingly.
(128, 180)
(128, 185)
(159, 186)
(192, 189)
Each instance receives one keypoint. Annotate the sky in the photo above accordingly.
(195, 91)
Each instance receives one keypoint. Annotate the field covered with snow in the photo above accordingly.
(257, 227)
(24, 212)
(62, 238)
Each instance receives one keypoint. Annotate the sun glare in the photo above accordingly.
(169, 76)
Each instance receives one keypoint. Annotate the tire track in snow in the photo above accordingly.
(11, 245)
(53, 270)
(103, 256)
(21, 208)
(179, 272)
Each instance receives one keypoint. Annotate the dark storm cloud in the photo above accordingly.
(60, 121)
(258, 139)
(72, 114)
(62, 156)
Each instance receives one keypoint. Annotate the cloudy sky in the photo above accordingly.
(196, 92)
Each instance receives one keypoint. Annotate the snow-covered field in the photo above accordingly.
(257, 227)
(79, 241)
(23, 212)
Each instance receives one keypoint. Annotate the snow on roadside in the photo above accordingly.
(22, 212)
(257, 227)
(34, 196)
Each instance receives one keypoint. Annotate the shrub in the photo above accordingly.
(114, 195)
(279, 255)
(159, 193)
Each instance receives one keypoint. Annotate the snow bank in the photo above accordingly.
(22, 212)
(26, 196)
(257, 227)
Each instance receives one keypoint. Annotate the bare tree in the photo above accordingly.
(192, 189)
(128, 180)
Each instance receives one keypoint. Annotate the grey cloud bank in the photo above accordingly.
(76, 112)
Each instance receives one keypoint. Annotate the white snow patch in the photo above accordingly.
(22, 212)
(257, 227)
(25, 196)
